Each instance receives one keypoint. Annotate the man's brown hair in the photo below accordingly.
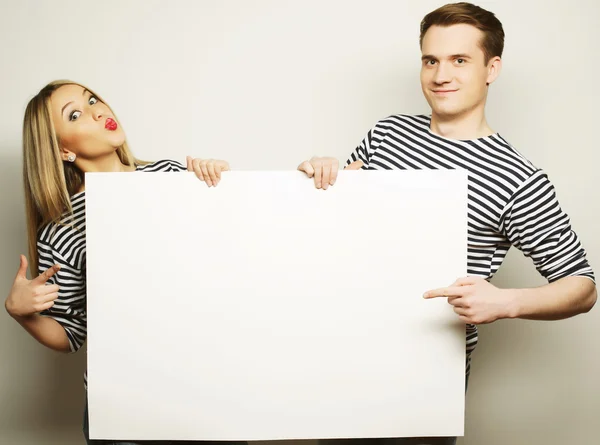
(492, 42)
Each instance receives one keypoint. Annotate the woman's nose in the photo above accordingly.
(98, 111)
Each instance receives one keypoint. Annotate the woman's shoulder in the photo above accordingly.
(164, 165)
(62, 234)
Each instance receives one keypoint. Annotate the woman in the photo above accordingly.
(68, 130)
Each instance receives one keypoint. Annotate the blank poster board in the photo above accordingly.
(266, 309)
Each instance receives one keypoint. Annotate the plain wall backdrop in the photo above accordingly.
(266, 84)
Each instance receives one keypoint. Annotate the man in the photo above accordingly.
(511, 202)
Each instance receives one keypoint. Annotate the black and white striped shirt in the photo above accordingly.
(63, 243)
(510, 201)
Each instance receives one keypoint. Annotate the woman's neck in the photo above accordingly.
(110, 163)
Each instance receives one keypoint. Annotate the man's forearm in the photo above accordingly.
(561, 299)
(46, 330)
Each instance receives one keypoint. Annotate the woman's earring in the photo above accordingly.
(71, 158)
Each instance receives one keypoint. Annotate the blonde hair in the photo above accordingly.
(49, 182)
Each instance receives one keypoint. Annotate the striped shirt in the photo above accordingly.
(63, 243)
(510, 201)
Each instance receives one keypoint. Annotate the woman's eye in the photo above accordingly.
(93, 100)
(74, 115)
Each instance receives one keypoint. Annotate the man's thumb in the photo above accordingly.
(307, 168)
(356, 165)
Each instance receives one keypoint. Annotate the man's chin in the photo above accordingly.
(445, 113)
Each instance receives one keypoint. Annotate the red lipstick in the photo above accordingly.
(110, 124)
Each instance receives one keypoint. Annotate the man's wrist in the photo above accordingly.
(513, 302)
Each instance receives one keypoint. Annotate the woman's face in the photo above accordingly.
(84, 125)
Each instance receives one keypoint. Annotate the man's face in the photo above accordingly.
(453, 72)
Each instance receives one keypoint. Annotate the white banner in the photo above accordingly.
(266, 309)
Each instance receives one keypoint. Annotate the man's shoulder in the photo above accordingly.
(399, 121)
(505, 151)
(400, 126)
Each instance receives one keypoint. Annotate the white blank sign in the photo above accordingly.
(266, 309)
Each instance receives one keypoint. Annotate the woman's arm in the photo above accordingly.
(27, 298)
(45, 330)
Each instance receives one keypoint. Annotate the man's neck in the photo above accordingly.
(464, 127)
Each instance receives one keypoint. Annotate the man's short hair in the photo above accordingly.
(492, 43)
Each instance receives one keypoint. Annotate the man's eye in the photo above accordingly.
(460, 61)
(74, 115)
(431, 62)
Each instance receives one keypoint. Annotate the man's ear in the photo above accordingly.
(494, 67)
